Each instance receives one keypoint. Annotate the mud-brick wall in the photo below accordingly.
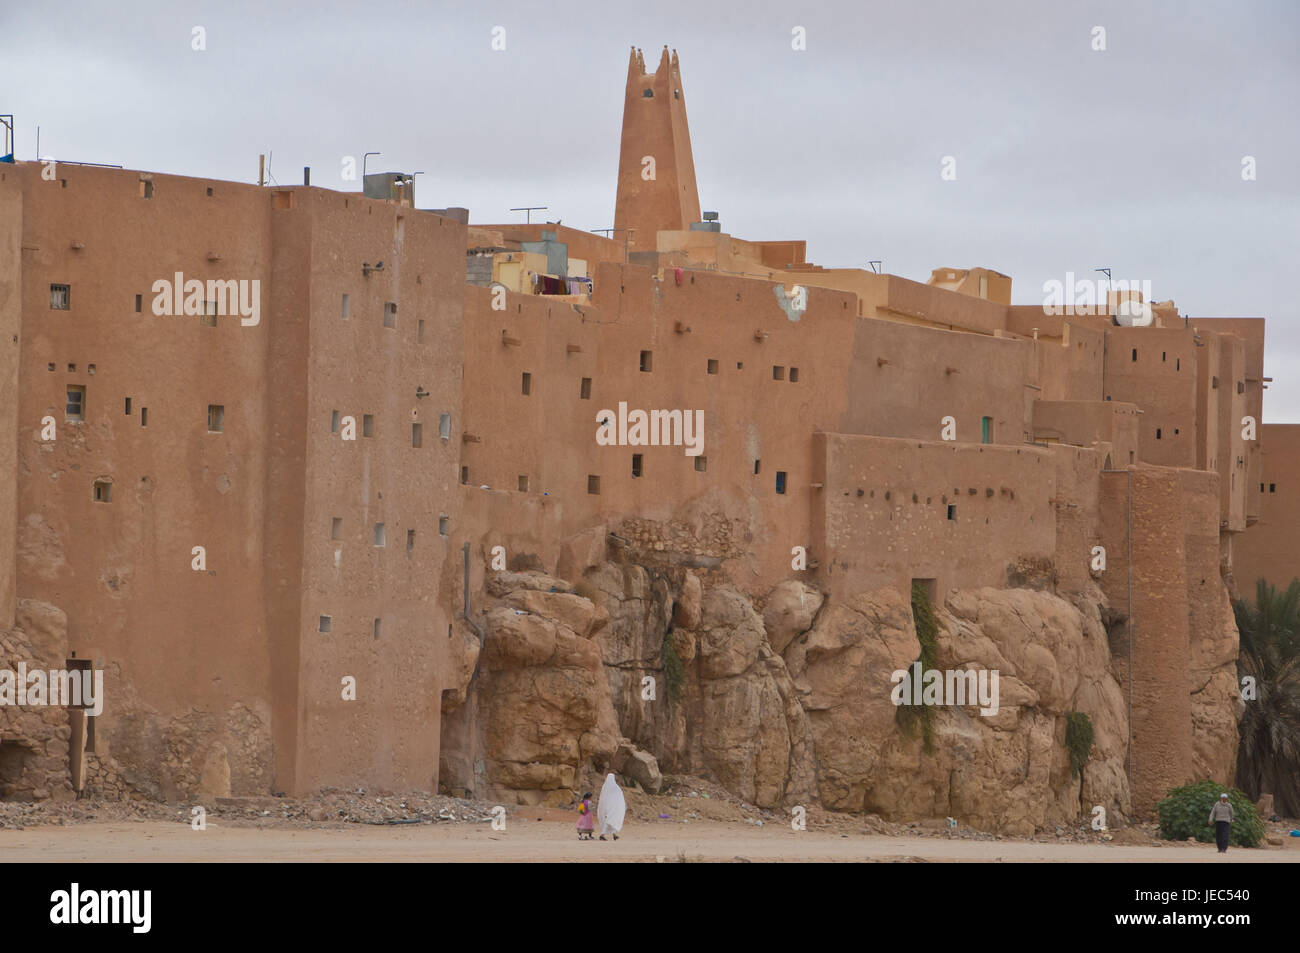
(882, 517)
(34, 739)
(1161, 753)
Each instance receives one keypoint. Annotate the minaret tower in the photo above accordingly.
(656, 173)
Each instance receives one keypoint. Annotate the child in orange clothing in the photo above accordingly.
(586, 822)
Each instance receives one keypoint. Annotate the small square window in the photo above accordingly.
(376, 629)
(146, 188)
(144, 416)
(390, 314)
(324, 624)
(1157, 433)
(410, 540)
(367, 425)
(60, 297)
(139, 304)
(584, 391)
(346, 309)
(464, 475)
(419, 331)
(444, 525)
(380, 535)
(794, 375)
(128, 406)
(1272, 488)
(647, 361)
(636, 465)
(336, 528)
(780, 481)
(216, 418)
(209, 191)
(527, 383)
(952, 511)
(444, 426)
(1135, 354)
(103, 491)
(778, 372)
(701, 464)
(522, 483)
(756, 465)
(334, 421)
(713, 365)
(593, 484)
(76, 405)
(417, 435)
(740, 365)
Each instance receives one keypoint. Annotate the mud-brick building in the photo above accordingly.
(275, 531)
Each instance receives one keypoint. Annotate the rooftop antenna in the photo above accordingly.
(875, 264)
(1106, 272)
(528, 211)
(623, 229)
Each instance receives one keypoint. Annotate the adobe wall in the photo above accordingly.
(1076, 503)
(401, 376)
(185, 652)
(930, 373)
(1251, 332)
(1270, 549)
(1069, 365)
(882, 518)
(11, 278)
(549, 435)
(1232, 403)
(1169, 508)
(1161, 380)
(1084, 423)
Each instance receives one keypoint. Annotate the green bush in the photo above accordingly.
(1185, 813)
(927, 633)
(1078, 740)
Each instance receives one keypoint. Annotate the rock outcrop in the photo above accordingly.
(643, 669)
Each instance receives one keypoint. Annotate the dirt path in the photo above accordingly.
(555, 841)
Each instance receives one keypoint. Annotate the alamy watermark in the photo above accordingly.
(76, 688)
(241, 297)
(953, 687)
(651, 428)
(1092, 296)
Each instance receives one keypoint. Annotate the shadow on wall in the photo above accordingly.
(15, 758)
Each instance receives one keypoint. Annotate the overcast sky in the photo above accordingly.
(1067, 158)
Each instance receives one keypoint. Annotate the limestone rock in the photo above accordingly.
(686, 613)
(640, 766)
(790, 610)
(730, 635)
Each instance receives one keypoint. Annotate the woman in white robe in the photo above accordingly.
(611, 808)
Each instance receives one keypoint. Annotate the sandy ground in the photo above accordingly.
(555, 840)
